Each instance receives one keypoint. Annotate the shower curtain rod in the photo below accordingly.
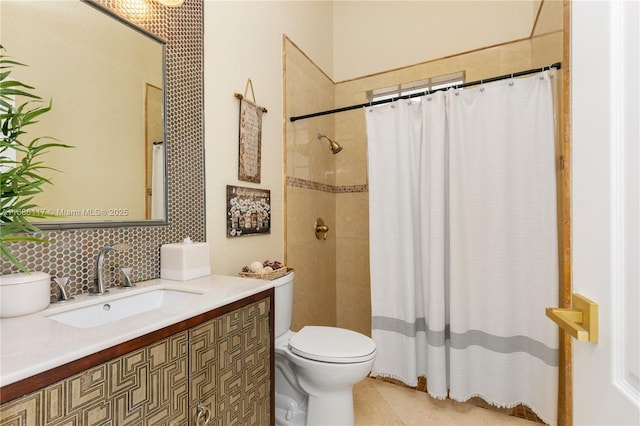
(557, 65)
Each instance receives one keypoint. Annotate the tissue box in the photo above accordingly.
(184, 261)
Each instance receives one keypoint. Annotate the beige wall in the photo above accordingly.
(376, 36)
(243, 40)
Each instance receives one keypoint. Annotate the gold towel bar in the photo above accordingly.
(581, 322)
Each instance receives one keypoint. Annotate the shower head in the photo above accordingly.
(333, 145)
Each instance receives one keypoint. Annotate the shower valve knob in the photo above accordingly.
(321, 229)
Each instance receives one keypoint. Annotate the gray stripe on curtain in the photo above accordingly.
(487, 341)
(435, 338)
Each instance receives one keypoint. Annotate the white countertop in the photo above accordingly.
(32, 344)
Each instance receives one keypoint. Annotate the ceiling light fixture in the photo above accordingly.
(171, 3)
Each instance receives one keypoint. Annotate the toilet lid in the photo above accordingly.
(331, 344)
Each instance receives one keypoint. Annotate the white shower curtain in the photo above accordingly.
(157, 182)
(406, 180)
(464, 255)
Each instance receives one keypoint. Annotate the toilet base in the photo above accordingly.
(336, 410)
(289, 412)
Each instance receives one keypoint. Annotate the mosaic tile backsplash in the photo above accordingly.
(72, 253)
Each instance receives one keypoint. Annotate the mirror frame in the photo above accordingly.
(71, 253)
(70, 225)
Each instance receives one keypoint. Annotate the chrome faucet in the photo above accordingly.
(98, 280)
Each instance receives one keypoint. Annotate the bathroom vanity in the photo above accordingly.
(208, 357)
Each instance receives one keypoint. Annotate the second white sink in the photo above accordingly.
(104, 311)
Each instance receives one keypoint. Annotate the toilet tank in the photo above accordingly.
(283, 303)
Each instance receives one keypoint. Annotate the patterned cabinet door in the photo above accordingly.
(147, 386)
(229, 371)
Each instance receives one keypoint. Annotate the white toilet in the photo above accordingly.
(316, 367)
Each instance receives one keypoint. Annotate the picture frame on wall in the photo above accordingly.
(249, 137)
(250, 142)
(248, 211)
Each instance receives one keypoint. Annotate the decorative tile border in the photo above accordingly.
(296, 182)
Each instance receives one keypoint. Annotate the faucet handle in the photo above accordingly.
(126, 271)
(63, 296)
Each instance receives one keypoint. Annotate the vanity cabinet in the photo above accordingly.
(229, 368)
(146, 386)
(217, 366)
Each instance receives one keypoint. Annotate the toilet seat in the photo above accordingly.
(331, 344)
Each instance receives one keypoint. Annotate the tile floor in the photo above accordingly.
(379, 403)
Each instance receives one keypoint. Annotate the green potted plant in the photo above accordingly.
(21, 179)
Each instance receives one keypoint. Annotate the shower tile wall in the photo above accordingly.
(318, 182)
(310, 176)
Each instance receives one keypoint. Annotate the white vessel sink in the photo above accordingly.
(106, 310)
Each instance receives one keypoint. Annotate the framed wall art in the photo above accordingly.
(250, 137)
(248, 211)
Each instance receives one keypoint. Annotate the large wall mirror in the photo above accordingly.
(105, 78)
